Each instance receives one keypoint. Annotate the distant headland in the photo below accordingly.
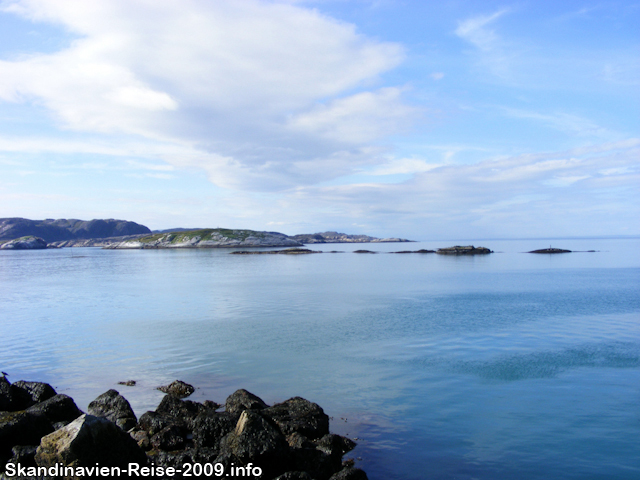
(22, 233)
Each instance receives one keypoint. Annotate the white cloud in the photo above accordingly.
(248, 89)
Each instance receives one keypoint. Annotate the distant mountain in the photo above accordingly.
(335, 237)
(68, 229)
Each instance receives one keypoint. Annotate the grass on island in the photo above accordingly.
(206, 234)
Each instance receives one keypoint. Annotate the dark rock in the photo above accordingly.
(468, 250)
(335, 445)
(179, 458)
(142, 439)
(363, 251)
(256, 440)
(169, 438)
(241, 400)
(89, 440)
(178, 389)
(24, 455)
(171, 406)
(152, 422)
(128, 383)
(6, 395)
(59, 408)
(22, 428)
(349, 474)
(299, 415)
(211, 427)
(211, 405)
(30, 393)
(114, 407)
(416, 251)
(296, 440)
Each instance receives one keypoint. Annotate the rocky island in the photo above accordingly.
(24, 243)
(550, 250)
(335, 237)
(48, 436)
(208, 238)
(468, 250)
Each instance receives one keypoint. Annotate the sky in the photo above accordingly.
(414, 119)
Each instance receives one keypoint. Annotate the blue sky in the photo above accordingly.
(426, 120)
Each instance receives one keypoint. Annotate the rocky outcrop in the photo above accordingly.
(68, 229)
(416, 251)
(285, 441)
(550, 250)
(335, 237)
(209, 238)
(178, 389)
(468, 250)
(24, 243)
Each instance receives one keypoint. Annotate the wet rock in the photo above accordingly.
(89, 440)
(335, 445)
(59, 408)
(114, 407)
(178, 389)
(142, 439)
(363, 251)
(128, 383)
(241, 400)
(550, 250)
(301, 416)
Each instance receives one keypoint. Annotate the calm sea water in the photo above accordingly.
(505, 366)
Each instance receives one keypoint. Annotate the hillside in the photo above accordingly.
(68, 229)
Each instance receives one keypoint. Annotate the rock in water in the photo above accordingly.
(178, 389)
(113, 406)
(89, 440)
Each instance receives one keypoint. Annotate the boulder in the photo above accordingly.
(256, 440)
(6, 395)
(22, 428)
(241, 400)
(27, 394)
(59, 408)
(301, 416)
(89, 440)
(211, 427)
(178, 389)
(113, 406)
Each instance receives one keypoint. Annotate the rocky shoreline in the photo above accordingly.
(45, 433)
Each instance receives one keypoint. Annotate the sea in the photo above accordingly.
(509, 365)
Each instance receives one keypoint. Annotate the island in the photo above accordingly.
(550, 250)
(28, 242)
(468, 250)
(207, 238)
(335, 237)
